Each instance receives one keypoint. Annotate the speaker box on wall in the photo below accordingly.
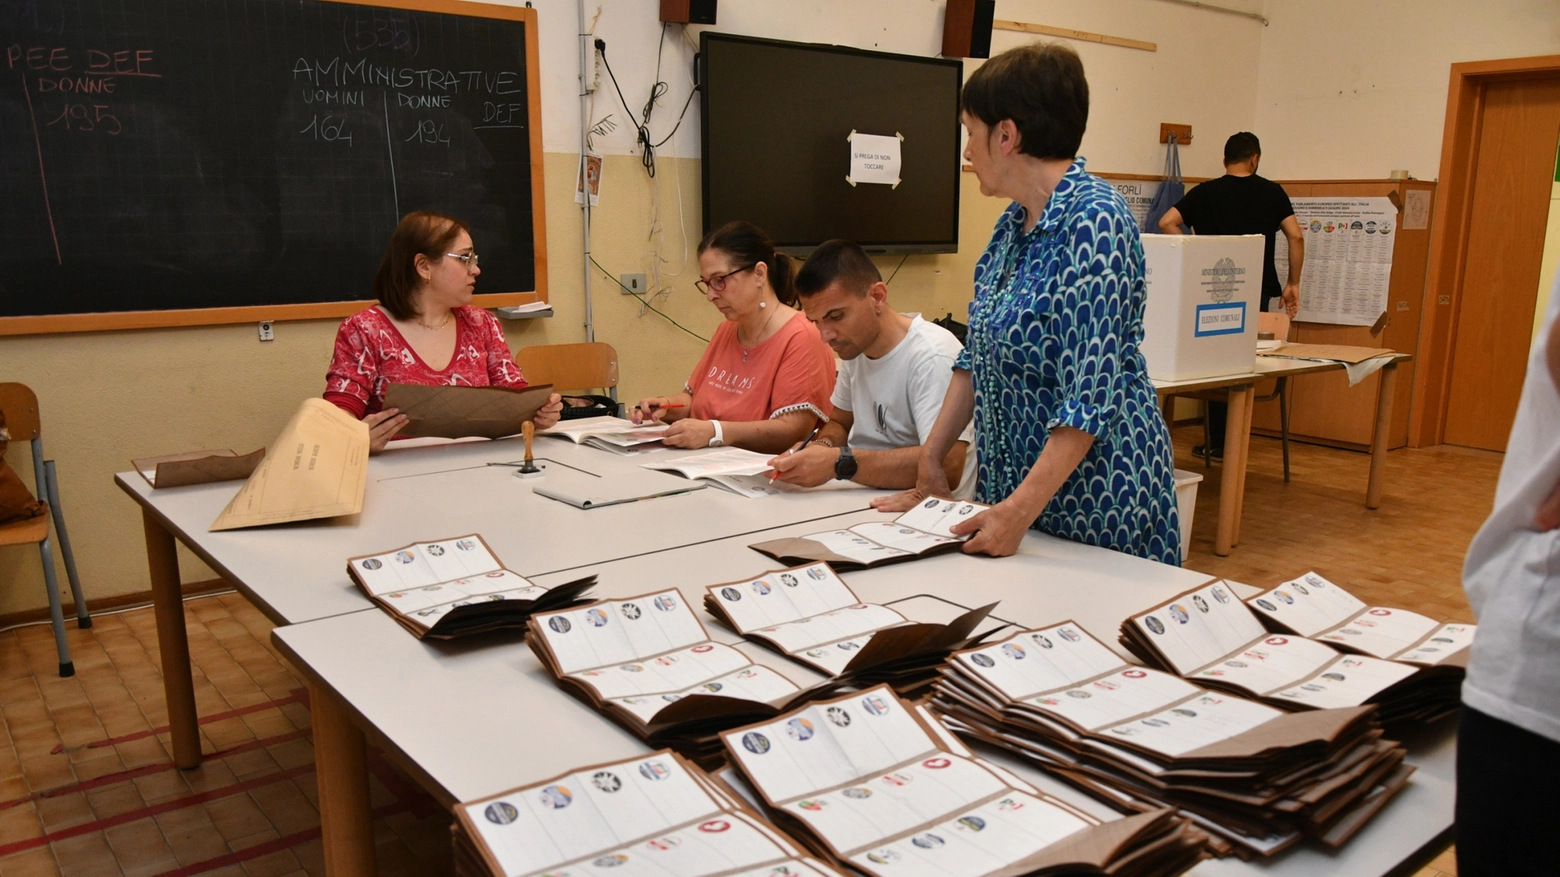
(966, 28)
(691, 11)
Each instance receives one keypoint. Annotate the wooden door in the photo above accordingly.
(1499, 284)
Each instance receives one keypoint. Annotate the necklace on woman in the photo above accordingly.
(748, 348)
(442, 323)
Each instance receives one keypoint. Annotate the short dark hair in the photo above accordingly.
(421, 231)
(837, 261)
(1241, 147)
(1041, 88)
(746, 243)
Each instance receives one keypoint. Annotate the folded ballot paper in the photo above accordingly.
(197, 467)
(455, 587)
(1257, 779)
(1209, 636)
(462, 412)
(1314, 607)
(867, 780)
(317, 468)
(650, 816)
(648, 663)
(920, 532)
(812, 617)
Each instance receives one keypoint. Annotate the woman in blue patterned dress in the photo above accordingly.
(1068, 433)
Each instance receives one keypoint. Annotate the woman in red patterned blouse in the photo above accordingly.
(424, 317)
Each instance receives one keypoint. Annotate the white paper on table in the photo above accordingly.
(672, 672)
(875, 158)
(1037, 661)
(786, 595)
(1382, 632)
(621, 631)
(978, 841)
(1196, 723)
(426, 563)
(1308, 605)
(935, 516)
(1348, 681)
(1359, 371)
(755, 682)
(829, 627)
(1442, 644)
(1200, 627)
(1115, 698)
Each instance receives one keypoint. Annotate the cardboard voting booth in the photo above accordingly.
(1204, 293)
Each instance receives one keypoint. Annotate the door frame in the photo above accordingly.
(1449, 233)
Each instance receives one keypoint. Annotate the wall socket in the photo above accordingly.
(266, 332)
(634, 284)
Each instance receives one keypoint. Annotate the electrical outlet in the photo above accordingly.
(634, 284)
(593, 78)
(266, 332)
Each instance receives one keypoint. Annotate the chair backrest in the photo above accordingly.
(570, 366)
(20, 405)
(1278, 324)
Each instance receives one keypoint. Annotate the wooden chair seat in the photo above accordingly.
(570, 366)
(28, 532)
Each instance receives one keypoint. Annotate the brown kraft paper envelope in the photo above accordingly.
(462, 412)
(198, 467)
(1341, 352)
(1283, 732)
(318, 468)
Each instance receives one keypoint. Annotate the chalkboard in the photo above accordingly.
(174, 162)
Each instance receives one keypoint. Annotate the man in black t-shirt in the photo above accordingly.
(1240, 202)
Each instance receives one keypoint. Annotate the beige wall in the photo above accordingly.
(1551, 264)
(110, 396)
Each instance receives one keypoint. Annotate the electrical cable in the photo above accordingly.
(896, 269)
(646, 302)
(642, 128)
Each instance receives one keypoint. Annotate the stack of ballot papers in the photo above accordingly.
(868, 780)
(809, 615)
(610, 434)
(1210, 637)
(742, 472)
(652, 816)
(648, 663)
(1314, 607)
(455, 587)
(920, 532)
(1256, 778)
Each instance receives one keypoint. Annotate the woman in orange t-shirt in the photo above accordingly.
(766, 378)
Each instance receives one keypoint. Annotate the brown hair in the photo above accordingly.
(837, 261)
(747, 244)
(1041, 88)
(396, 282)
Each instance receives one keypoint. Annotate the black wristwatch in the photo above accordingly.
(845, 466)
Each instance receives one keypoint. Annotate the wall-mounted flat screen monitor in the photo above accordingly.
(778, 120)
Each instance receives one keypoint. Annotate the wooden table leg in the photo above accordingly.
(1167, 409)
(341, 768)
(1230, 483)
(1383, 435)
(1244, 438)
(162, 560)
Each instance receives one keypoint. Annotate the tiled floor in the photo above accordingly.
(87, 787)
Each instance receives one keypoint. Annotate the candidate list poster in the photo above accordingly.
(1348, 258)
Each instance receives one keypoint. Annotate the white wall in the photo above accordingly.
(1352, 90)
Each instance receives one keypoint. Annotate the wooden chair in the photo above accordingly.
(1278, 326)
(20, 405)
(590, 366)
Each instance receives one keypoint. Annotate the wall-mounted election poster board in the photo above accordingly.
(1348, 258)
(179, 162)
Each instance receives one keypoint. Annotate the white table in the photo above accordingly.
(442, 703)
(297, 572)
(1237, 442)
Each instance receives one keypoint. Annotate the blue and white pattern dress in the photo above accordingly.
(1054, 334)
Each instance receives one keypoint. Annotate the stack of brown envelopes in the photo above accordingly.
(870, 781)
(812, 617)
(1212, 638)
(1256, 778)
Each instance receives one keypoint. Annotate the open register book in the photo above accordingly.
(809, 615)
(1258, 777)
(1210, 636)
(1314, 607)
(739, 471)
(455, 587)
(649, 664)
(610, 434)
(922, 531)
(867, 780)
(648, 816)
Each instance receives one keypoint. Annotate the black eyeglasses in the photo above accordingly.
(718, 282)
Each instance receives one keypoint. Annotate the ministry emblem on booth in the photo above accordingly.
(1221, 283)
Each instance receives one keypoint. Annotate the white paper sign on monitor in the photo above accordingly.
(875, 158)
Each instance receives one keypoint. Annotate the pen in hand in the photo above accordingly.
(773, 473)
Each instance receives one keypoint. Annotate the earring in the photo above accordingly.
(763, 304)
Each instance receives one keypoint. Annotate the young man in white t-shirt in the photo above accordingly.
(894, 370)
(1508, 742)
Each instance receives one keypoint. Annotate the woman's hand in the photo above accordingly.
(547, 416)
(930, 481)
(651, 408)
(689, 433)
(998, 530)
(382, 427)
